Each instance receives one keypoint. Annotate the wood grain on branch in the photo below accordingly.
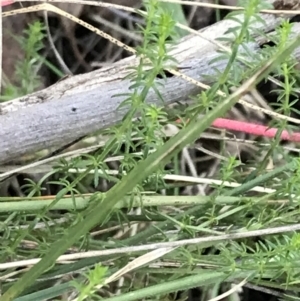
(83, 104)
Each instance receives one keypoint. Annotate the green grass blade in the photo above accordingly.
(48, 293)
(204, 278)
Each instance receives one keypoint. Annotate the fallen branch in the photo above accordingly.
(83, 104)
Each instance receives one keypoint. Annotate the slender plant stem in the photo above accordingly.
(79, 203)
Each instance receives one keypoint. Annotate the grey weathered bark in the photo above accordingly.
(82, 104)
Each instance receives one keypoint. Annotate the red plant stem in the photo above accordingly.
(6, 2)
(253, 129)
